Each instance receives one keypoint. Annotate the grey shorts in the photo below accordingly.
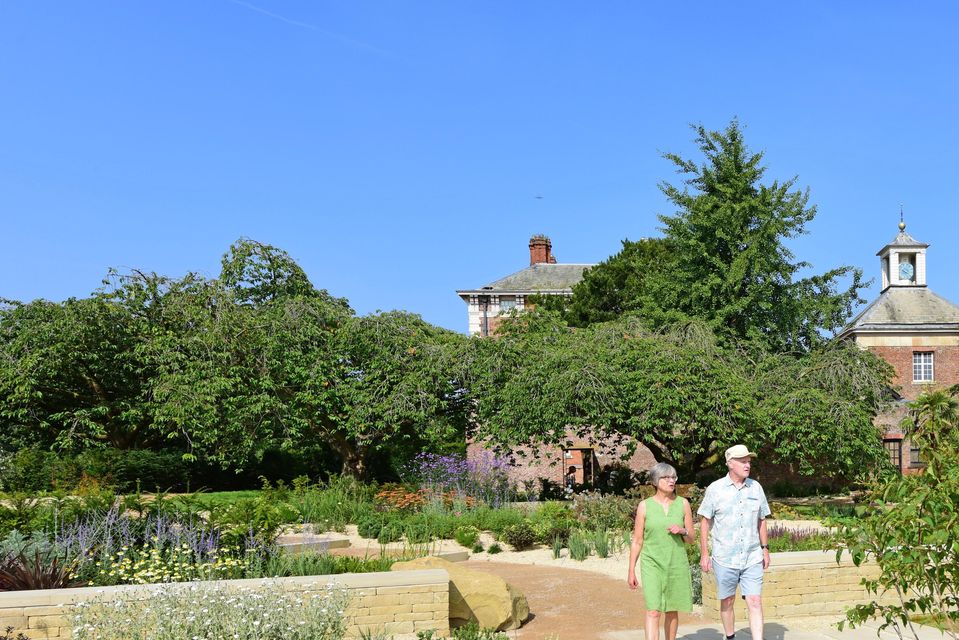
(749, 580)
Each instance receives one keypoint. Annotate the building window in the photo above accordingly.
(915, 457)
(506, 305)
(894, 451)
(922, 366)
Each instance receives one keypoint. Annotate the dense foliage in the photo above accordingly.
(226, 370)
(682, 393)
(912, 532)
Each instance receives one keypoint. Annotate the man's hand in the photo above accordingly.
(766, 559)
(706, 564)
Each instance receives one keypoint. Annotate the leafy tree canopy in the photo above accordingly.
(724, 257)
(225, 369)
(680, 392)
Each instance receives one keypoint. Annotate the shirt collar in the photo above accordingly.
(746, 483)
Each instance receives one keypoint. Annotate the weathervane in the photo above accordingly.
(902, 223)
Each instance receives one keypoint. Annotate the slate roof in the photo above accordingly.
(906, 308)
(538, 277)
(903, 239)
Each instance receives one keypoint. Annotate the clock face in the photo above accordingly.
(906, 271)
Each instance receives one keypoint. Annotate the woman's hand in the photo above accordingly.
(631, 581)
(676, 530)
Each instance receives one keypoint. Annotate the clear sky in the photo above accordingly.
(402, 150)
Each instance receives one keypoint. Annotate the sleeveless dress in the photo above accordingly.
(663, 566)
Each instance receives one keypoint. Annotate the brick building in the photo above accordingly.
(544, 276)
(486, 307)
(914, 330)
(908, 325)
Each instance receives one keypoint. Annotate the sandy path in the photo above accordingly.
(573, 604)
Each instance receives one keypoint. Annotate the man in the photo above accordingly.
(733, 515)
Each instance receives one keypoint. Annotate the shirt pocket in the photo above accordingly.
(753, 505)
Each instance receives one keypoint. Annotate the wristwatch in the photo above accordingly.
(764, 546)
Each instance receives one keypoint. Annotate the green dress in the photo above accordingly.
(663, 566)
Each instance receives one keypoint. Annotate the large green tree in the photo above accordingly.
(724, 257)
(227, 368)
(268, 365)
(681, 392)
(70, 376)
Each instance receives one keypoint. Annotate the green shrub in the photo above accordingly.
(29, 470)
(391, 532)
(466, 535)
(495, 520)
(284, 565)
(601, 542)
(478, 547)
(437, 521)
(126, 470)
(595, 511)
(334, 504)
(417, 532)
(23, 513)
(552, 520)
(520, 536)
(494, 548)
(557, 547)
(258, 518)
(579, 545)
(369, 525)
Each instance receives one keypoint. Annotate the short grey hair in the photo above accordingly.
(660, 471)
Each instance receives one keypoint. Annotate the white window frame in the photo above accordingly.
(923, 366)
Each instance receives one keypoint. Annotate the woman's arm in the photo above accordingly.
(637, 544)
(689, 538)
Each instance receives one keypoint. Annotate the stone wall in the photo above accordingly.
(399, 602)
(803, 583)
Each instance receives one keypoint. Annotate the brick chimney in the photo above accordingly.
(540, 250)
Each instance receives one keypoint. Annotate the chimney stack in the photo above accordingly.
(540, 250)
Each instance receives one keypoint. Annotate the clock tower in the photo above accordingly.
(903, 261)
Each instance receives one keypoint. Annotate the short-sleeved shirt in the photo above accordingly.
(735, 513)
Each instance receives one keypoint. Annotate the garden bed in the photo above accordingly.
(398, 603)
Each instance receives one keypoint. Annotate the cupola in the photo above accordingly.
(903, 261)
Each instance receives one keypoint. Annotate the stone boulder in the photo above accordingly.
(486, 599)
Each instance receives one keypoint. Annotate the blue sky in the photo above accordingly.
(396, 150)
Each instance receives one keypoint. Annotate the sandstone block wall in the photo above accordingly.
(399, 603)
(802, 583)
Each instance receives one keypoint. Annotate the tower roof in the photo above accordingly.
(903, 239)
(905, 309)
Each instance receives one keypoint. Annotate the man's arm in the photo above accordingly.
(705, 562)
(764, 542)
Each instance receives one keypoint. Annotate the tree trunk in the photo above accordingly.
(353, 456)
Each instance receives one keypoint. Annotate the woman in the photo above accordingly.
(663, 523)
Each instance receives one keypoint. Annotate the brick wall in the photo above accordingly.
(532, 463)
(945, 366)
(400, 603)
(803, 583)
